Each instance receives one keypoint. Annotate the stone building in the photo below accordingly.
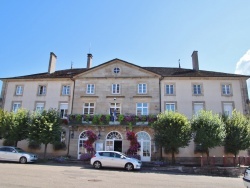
(118, 88)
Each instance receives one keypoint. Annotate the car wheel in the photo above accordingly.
(129, 167)
(23, 160)
(97, 165)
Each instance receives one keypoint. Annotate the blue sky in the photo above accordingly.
(143, 32)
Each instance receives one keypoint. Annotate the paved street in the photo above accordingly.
(13, 175)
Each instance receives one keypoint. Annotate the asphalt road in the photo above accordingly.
(13, 175)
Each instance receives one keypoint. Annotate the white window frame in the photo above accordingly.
(226, 89)
(64, 111)
(116, 89)
(90, 89)
(197, 89)
(195, 104)
(171, 104)
(228, 113)
(42, 89)
(142, 88)
(19, 90)
(66, 90)
(16, 106)
(89, 108)
(39, 106)
(142, 107)
(169, 90)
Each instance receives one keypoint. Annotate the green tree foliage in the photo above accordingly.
(2, 119)
(172, 131)
(208, 129)
(14, 126)
(45, 127)
(237, 133)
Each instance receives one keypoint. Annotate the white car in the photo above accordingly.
(246, 177)
(9, 153)
(114, 159)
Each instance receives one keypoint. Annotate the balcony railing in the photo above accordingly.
(102, 119)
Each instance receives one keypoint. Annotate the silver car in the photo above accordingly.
(9, 153)
(246, 178)
(114, 159)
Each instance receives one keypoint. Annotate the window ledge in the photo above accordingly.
(115, 96)
(89, 96)
(142, 96)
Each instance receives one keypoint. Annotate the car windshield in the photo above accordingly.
(19, 150)
(124, 155)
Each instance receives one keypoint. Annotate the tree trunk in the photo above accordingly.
(173, 157)
(160, 152)
(15, 143)
(235, 155)
(208, 162)
(45, 151)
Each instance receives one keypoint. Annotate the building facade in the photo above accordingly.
(118, 88)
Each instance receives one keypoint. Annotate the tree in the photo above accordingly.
(15, 125)
(209, 130)
(172, 131)
(45, 127)
(237, 133)
(2, 120)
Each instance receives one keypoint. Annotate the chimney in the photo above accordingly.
(52, 63)
(89, 60)
(195, 60)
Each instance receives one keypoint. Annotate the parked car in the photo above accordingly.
(9, 153)
(114, 159)
(246, 177)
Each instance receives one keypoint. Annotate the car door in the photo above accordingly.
(105, 158)
(11, 154)
(118, 161)
(2, 154)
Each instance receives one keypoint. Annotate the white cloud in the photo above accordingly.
(243, 65)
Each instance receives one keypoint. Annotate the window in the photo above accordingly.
(197, 107)
(16, 106)
(19, 90)
(90, 89)
(227, 108)
(114, 110)
(41, 90)
(88, 108)
(39, 106)
(197, 89)
(115, 88)
(141, 109)
(169, 89)
(66, 90)
(142, 88)
(63, 110)
(226, 89)
(170, 107)
(116, 70)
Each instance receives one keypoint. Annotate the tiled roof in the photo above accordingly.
(68, 73)
(180, 72)
(162, 71)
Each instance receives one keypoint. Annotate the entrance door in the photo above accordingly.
(114, 141)
(145, 151)
(82, 138)
(118, 145)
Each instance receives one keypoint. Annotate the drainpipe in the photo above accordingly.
(73, 97)
(161, 78)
